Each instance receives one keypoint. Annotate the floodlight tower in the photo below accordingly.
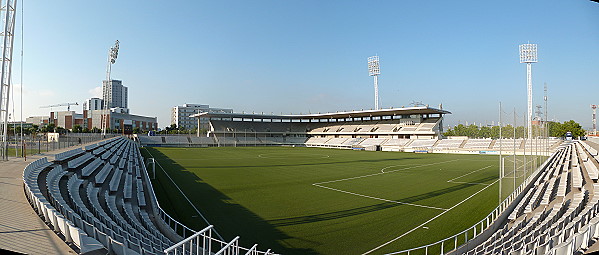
(113, 53)
(374, 70)
(528, 55)
(8, 11)
(594, 107)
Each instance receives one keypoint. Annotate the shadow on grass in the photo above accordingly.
(229, 219)
(371, 208)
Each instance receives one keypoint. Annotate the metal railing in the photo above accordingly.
(202, 243)
(32, 145)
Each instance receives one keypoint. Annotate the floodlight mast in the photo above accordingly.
(528, 55)
(374, 70)
(113, 53)
(594, 107)
(8, 11)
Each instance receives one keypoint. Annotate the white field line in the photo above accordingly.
(439, 215)
(385, 168)
(426, 222)
(518, 169)
(265, 155)
(452, 180)
(377, 198)
(382, 172)
(318, 184)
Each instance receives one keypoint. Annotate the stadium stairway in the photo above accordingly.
(463, 143)
(492, 144)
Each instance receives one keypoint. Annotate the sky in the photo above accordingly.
(308, 56)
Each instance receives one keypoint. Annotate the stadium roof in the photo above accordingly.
(332, 115)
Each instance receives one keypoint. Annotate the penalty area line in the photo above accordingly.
(452, 180)
(428, 221)
(378, 198)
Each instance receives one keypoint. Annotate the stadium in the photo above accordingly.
(386, 180)
(320, 184)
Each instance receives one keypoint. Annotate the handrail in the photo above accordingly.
(206, 229)
(232, 243)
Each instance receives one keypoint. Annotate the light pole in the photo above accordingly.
(528, 55)
(7, 14)
(594, 107)
(374, 70)
(113, 53)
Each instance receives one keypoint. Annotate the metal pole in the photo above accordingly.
(21, 80)
(376, 92)
(546, 127)
(515, 165)
(500, 154)
(6, 69)
(529, 88)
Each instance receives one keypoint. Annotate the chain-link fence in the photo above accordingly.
(40, 143)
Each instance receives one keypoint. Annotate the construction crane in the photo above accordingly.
(68, 105)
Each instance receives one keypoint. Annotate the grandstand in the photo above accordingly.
(383, 143)
(411, 123)
(545, 214)
(556, 213)
(400, 129)
(99, 198)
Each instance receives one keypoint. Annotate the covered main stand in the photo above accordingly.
(410, 122)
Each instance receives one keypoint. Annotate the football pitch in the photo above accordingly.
(329, 201)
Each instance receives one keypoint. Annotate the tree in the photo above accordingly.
(77, 129)
(137, 130)
(507, 131)
(49, 128)
(572, 126)
(485, 131)
(494, 132)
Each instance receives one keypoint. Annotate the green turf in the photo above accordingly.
(266, 195)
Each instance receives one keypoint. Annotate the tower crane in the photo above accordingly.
(68, 105)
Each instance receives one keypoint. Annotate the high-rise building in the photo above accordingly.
(180, 115)
(92, 104)
(114, 94)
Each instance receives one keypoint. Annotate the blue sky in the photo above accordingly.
(310, 56)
